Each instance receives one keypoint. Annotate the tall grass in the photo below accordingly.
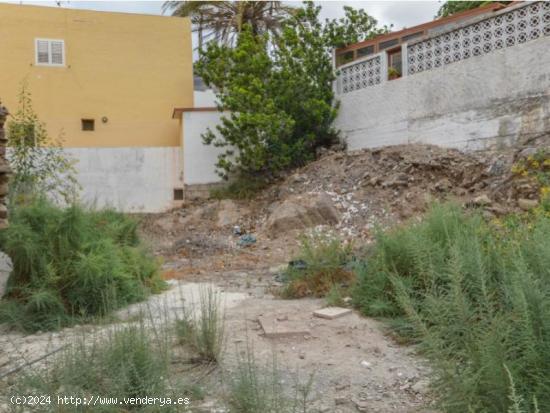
(476, 296)
(204, 328)
(127, 362)
(70, 264)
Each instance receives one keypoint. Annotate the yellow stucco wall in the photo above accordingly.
(133, 69)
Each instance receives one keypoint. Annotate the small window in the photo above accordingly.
(387, 43)
(411, 36)
(88, 124)
(365, 51)
(50, 52)
(178, 194)
(343, 58)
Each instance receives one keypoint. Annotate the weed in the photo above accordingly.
(322, 265)
(240, 188)
(204, 331)
(72, 264)
(253, 389)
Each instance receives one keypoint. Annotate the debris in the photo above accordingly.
(246, 240)
(237, 230)
(331, 313)
(365, 363)
(297, 265)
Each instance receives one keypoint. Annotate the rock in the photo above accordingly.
(527, 204)
(397, 181)
(300, 212)
(443, 185)
(5, 271)
(527, 152)
(482, 200)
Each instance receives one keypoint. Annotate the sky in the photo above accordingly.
(399, 13)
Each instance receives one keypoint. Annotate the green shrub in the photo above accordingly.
(322, 266)
(71, 264)
(476, 296)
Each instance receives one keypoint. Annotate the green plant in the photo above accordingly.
(122, 363)
(204, 330)
(392, 72)
(72, 264)
(278, 91)
(475, 295)
(254, 389)
(222, 21)
(38, 162)
(240, 188)
(321, 266)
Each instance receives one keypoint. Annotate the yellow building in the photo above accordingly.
(108, 81)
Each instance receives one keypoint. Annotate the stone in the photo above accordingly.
(285, 329)
(5, 271)
(331, 313)
(527, 204)
(301, 212)
(527, 152)
(482, 200)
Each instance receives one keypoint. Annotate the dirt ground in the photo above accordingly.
(356, 365)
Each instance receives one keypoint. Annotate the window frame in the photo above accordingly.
(50, 55)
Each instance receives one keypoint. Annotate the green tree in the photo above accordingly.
(221, 21)
(38, 162)
(456, 6)
(278, 91)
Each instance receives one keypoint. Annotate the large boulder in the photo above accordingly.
(300, 212)
(5, 271)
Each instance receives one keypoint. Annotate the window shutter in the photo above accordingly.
(42, 55)
(57, 53)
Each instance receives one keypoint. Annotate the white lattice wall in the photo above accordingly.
(517, 26)
(360, 75)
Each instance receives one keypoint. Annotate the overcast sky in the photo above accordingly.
(399, 13)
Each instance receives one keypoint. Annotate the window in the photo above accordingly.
(88, 124)
(178, 194)
(50, 52)
(411, 36)
(343, 58)
(395, 66)
(387, 43)
(365, 51)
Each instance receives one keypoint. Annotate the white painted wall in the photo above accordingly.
(204, 98)
(493, 99)
(129, 179)
(199, 159)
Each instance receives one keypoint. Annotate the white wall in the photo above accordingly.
(492, 99)
(199, 159)
(204, 98)
(129, 179)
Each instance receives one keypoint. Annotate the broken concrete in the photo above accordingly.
(273, 328)
(330, 313)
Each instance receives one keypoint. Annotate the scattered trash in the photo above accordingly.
(237, 230)
(297, 265)
(365, 363)
(246, 240)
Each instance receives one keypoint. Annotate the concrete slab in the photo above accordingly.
(282, 329)
(331, 313)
